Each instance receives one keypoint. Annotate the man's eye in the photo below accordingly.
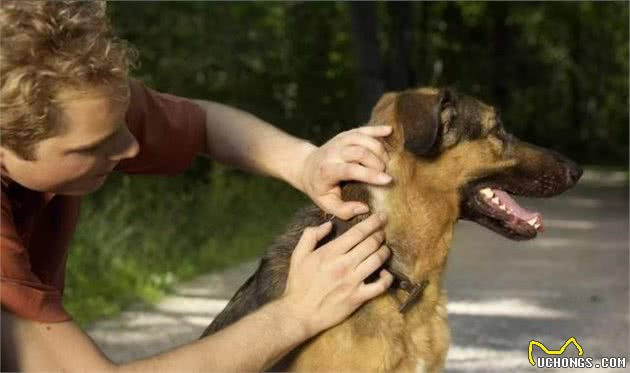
(90, 150)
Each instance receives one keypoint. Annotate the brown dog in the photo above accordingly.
(450, 159)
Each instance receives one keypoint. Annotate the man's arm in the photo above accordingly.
(324, 286)
(253, 343)
(240, 139)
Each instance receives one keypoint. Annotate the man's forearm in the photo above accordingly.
(254, 343)
(239, 139)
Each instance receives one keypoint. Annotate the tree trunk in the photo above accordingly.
(369, 68)
(399, 69)
(499, 43)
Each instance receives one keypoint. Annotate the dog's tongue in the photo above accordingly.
(517, 210)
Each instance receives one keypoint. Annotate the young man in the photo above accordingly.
(70, 116)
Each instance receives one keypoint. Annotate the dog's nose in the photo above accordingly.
(574, 172)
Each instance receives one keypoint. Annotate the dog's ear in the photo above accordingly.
(414, 111)
(382, 115)
(425, 118)
(383, 102)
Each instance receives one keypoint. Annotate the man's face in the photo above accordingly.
(94, 138)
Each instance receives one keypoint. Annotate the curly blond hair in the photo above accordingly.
(47, 47)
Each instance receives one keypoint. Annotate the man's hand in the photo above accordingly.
(326, 285)
(240, 139)
(351, 155)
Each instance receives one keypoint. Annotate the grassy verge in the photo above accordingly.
(140, 235)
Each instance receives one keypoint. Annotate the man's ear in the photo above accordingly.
(419, 119)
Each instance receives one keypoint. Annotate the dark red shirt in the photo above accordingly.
(36, 228)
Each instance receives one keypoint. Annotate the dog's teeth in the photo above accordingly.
(532, 221)
(486, 192)
(537, 225)
(495, 200)
(502, 207)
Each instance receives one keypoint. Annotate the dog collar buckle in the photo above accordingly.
(415, 293)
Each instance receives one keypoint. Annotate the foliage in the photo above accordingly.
(557, 70)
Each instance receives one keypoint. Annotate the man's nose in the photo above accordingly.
(130, 149)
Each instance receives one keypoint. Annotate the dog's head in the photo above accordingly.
(455, 145)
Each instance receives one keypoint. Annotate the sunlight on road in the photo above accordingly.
(506, 308)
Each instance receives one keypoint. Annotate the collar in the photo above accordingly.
(415, 290)
(401, 281)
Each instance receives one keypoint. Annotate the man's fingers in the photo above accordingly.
(357, 172)
(308, 240)
(356, 137)
(368, 291)
(322, 231)
(363, 250)
(354, 235)
(375, 131)
(357, 154)
(372, 263)
(344, 210)
(331, 202)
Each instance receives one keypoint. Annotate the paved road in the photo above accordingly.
(571, 281)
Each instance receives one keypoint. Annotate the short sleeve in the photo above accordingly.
(170, 131)
(21, 291)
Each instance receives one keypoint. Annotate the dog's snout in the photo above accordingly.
(574, 172)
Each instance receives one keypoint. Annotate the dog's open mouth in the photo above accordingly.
(497, 210)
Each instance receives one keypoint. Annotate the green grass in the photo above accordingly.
(140, 235)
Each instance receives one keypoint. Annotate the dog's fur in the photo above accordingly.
(444, 148)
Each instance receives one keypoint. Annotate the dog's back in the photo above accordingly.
(269, 280)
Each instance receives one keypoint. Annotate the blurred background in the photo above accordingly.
(558, 71)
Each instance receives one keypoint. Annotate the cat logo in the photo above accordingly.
(553, 352)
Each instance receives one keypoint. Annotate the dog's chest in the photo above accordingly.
(377, 338)
(421, 367)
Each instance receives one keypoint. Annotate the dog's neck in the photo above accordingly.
(401, 280)
(419, 228)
